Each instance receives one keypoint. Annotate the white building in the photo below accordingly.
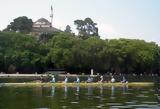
(43, 26)
(42, 23)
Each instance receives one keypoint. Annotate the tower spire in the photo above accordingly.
(51, 16)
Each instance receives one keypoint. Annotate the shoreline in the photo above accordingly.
(22, 75)
(135, 84)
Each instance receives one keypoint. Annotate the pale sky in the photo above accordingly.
(135, 19)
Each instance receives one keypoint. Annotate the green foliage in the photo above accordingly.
(23, 53)
(60, 50)
(68, 29)
(86, 28)
(45, 37)
(20, 24)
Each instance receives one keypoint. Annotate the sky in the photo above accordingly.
(132, 19)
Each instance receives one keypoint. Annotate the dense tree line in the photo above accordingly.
(26, 54)
(21, 53)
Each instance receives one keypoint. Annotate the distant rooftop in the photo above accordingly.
(43, 20)
(42, 25)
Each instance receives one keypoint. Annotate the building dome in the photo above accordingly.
(42, 22)
(41, 26)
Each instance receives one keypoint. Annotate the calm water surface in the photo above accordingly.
(44, 97)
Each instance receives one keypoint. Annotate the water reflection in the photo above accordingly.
(101, 90)
(65, 92)
(78, 89)
(38, 91)
(75, 97)
(90, 90)
(0, 85)
(101, 93)
(53, 91)
(158, 97)
(112, 92)
(77, 92)
(158, 93)
(124, 88)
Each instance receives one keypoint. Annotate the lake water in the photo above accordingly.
(45, 97)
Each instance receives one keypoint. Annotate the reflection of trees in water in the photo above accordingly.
(158, 97)
(38, 91)
(124, 88)
(158, 91)
(1, 84)
(90, 90)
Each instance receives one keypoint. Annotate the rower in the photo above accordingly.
(101, 78)
(89, 80)
(78, 80)
(53, 79)
(112, 80)
(66, 80)
(124, 80)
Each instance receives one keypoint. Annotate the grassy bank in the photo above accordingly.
(134, 84)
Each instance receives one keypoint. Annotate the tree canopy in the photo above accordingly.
(21, 24)
(23, 53)
(68, 29)
(86, 28)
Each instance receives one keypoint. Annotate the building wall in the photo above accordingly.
(41, 25)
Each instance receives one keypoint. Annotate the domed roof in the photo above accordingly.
(43, 20)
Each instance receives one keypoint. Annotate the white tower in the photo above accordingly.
(51, 16)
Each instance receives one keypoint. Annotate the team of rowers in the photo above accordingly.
(90, 79)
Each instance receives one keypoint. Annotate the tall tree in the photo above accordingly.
(91, 28)
(86, 28)
(21, 24)
(68, 29)
(21, 52)
(60, 50)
